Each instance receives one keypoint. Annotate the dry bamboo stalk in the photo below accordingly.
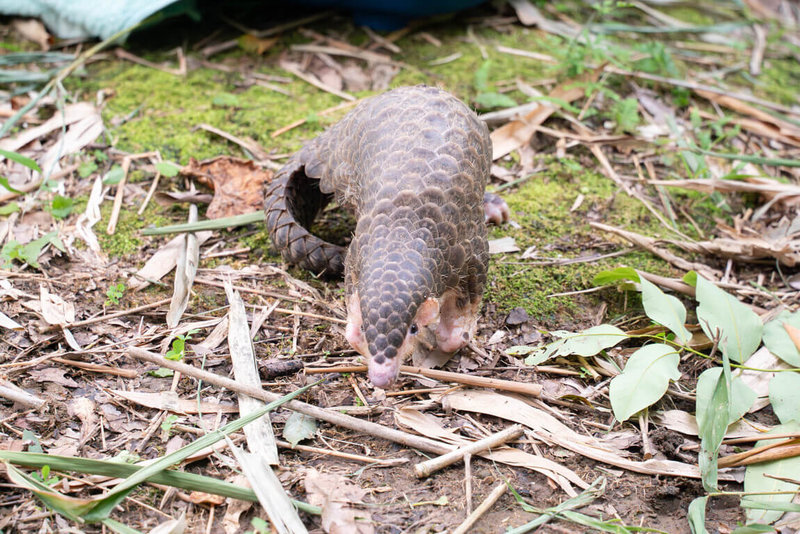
(496, 493)
(423, 469)
(329, 416)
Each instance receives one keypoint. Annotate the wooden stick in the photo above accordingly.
(126, 165)
(392, 462)
(316, 82)
(445, 376)
(102, 318)
(334, 418)
(496, 493)
(97, 368)
(11, 392)
(767, 453)
(423, 469)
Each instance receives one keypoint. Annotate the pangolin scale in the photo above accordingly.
(412, 164)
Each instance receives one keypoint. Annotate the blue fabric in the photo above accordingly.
(84, 18)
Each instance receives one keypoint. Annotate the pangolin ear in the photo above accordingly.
(428, 312)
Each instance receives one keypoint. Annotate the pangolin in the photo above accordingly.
(412, 164)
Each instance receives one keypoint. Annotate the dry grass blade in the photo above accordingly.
(649, 244)
(186, 268)
(163, 261)
(250, 145)
(260, 437)
(431, 426)
(548, 428)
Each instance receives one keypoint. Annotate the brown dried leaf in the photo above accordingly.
(55, 310)
(54, 375)
(336, 495)
(200, 497)
(256, 45)
(237, 183)
(518, 132)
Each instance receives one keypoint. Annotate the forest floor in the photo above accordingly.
(639, 146)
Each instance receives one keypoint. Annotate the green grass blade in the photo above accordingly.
(209, 224)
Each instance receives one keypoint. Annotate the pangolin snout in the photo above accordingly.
(383, 371)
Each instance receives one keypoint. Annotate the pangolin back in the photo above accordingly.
(413, 164)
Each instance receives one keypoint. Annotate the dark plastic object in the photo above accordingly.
(393, 14)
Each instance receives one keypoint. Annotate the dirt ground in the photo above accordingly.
(89, 383)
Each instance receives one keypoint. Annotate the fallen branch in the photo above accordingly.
(495, 494)
(334, 418)
(424, 469)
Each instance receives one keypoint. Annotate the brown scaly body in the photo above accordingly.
(412, 164)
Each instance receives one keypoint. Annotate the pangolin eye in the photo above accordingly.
(413, 329)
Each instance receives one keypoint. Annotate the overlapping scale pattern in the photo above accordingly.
(412, 163)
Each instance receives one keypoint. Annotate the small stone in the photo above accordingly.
(517, 316)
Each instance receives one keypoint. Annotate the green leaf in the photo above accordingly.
(225, 100)
(61, 207)
(777, 340)
(713, 416)
(739, 327)
(8, 209)
(690, 278)
(755, 528)
(22, 160)
(29, 253)
(697, 515)
(784, 395)
(752, 502)
(742, 397)
(644, 380)
(482, 76)
(586, 343)
(665, 310)
(70, 507)
(87, 168)
(114, 176)
(4, 183)
(604, 278)
(167, 169)
(299, 427)
(755, 479)
(161, 372)
(120, 491)
(491, 100)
